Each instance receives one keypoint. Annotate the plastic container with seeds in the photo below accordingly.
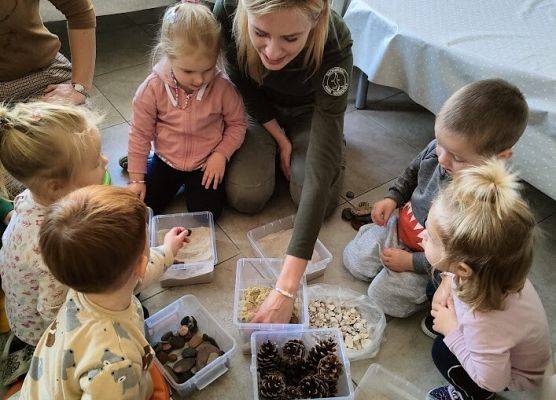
(260, 272)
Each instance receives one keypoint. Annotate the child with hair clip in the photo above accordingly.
(96, 346)
(52, 149)
(190, 111)
(494, 331)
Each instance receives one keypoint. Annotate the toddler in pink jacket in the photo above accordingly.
(191, 113)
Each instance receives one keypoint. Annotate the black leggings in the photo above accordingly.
(163, 182)
(450, 367)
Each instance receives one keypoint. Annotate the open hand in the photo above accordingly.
(382, 210)
(214, 170)
(397, 260)
(176, 238)
(276, 309)
(63, 92)
(445, 317)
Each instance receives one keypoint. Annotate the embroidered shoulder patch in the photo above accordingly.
(335, 81)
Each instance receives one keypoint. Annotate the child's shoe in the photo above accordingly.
(123, 162)
(445, 393)
(427, 327)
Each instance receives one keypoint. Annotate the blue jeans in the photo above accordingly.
(163, 182)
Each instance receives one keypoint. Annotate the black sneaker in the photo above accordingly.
(426, 327)
(123, 162)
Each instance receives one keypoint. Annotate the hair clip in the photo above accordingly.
(36, 116)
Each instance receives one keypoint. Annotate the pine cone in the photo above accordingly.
(293, 362)
(321, 350)
(268, 358)
(272, 386)
(330, 368)
(312, 387)
(293, 348)
(291, 393)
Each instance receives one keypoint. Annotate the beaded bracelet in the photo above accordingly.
(284, 293)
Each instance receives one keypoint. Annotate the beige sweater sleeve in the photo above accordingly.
(160, 258)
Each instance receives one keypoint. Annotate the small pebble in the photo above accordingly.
(191, 323)
(189, 353)
(175, 377)
(172, 357)
(183, 365)
(203, 352)
(166, 337)
(350, 194)
(347, 214)
(162, 357)
(212, 357)
(177, 342)
(183, 331)
(207, 338)
(195, 341)
(165, 346)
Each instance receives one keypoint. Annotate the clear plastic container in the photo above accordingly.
(169, 318)
(314, 269)
(186, 273)
(380, 384)
(263, 272)
(310, 337)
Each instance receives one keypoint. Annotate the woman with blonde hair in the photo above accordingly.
(292, 62)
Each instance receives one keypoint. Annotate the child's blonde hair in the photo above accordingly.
(247, 56)
(92, 238)
(185, 26)
(484, 222)
(40, 141)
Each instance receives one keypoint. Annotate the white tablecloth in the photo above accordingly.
(431, 48)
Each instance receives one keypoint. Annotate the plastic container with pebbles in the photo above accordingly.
(196, 260)
(271, 241)
(380, 384)
(360, 320)
(255, 278)
(211, 335)
(317, 365)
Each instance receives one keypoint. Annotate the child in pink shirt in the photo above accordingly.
(493, 325)
(191, 113)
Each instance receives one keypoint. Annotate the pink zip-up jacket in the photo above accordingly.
(214, 121)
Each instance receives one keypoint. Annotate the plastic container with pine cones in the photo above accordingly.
(324, 371)
(263, 272)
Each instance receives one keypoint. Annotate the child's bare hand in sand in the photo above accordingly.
(176, 238)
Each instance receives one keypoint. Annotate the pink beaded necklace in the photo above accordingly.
(177, 93)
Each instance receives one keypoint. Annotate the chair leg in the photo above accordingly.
(361, 95)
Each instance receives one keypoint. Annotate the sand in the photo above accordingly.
(275, 245)
(198, 249)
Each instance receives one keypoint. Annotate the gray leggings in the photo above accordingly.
(251, 174)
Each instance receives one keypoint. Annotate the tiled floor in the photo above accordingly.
(381, 141)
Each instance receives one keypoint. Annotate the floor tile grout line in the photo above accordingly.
(118, 70)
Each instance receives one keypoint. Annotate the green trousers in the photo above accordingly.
(251, 174)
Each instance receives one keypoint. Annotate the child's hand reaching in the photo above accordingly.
(382, 210)
(176, 238)
(445, 317)
(397, 260)
(214, 170)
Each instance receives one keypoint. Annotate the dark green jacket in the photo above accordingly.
(327, 90)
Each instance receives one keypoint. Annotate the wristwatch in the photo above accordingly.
(79, 88)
